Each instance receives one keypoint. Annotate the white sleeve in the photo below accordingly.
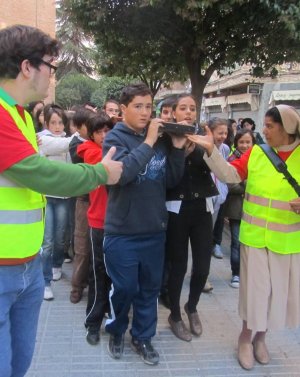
(54, 145)
(221, 168)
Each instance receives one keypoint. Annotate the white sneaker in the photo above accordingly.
(56, 272)
(48, 294)
(235, 281)
(217, 252)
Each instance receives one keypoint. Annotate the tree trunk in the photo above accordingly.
(198, 80)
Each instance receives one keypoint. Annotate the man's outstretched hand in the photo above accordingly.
(114, 168)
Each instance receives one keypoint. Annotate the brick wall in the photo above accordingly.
(37, 13)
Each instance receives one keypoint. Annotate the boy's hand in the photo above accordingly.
(153, 132)
(206, 142)
(114, 168)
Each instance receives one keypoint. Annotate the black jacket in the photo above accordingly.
(196, 182)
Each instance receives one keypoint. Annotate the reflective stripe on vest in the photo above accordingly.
(21, 209)
(277, 204)
(284, 228)
(4, 182)
(21, 217)
(268, 219)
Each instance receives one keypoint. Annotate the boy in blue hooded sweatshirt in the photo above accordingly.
(136, 220)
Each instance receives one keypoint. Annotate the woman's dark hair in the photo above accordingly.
(250, 121)
(37, 124)
(275, 115)
(20, 42)
(240, 134)
(129, 92)
(230, 136)
(179, 97)
(98, 121)
(32, 105)
(51, 109)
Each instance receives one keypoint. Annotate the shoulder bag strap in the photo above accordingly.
(280, 166)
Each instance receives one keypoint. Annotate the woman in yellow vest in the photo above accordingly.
(270, 232)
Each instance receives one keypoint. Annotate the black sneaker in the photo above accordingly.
(92, 337)
(116, 346)
(145, 349)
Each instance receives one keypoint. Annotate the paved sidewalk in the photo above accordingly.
(62, 351)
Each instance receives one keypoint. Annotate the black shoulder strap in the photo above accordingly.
(280, 166)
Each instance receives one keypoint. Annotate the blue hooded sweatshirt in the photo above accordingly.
(136, 205)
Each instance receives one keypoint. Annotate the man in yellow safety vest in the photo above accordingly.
(26, 64)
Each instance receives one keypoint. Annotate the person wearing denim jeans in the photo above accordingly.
(26, 65)
(54, 237)
(21, 295)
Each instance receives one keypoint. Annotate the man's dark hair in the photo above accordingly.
(20, 42)
(131, 91)
(81, 116)
(98, 121)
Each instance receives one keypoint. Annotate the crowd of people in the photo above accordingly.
(111, 191)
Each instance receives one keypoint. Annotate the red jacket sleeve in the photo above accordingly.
(241, 164)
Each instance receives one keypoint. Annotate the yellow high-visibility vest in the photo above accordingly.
(21, 209)
(268, 220)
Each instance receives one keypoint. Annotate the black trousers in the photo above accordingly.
(194, 224)
(99, 283)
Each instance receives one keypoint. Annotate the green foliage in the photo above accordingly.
(165, 39)
(74, 89)
(108, 88)
(77, 89)
(77, 54)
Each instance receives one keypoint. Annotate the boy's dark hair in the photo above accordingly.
(250, 121)
(97, 122)
(179, 97)
(51, 109)
(240, 134)
(38, 125)
(110, 101)
(168, 102)
(129, 92)
(20, 42)
(81, 116)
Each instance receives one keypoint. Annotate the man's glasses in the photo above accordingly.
(52, 67)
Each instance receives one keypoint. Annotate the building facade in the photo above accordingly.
(240, 95)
